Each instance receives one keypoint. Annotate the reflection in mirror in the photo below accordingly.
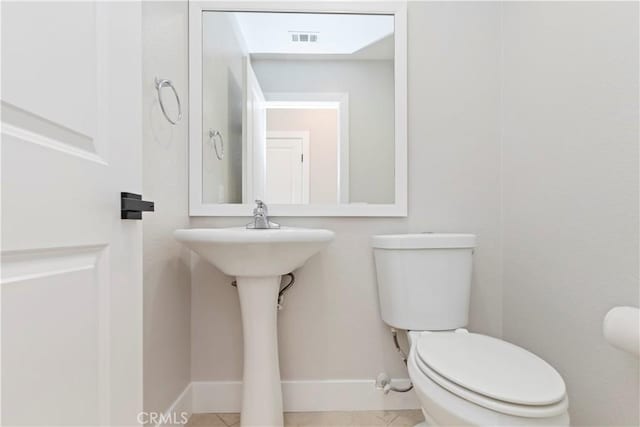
(298, 108)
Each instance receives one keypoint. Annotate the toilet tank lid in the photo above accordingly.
(423, 241)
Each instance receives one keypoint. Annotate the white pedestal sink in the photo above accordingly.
(258, 258)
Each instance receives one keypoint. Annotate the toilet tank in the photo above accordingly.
(424, 280)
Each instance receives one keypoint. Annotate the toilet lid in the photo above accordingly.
(492, 367)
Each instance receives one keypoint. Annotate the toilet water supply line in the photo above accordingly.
(285, 288)
(383, 381)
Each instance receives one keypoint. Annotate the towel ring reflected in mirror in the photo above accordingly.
(160, 83)
(215, 138)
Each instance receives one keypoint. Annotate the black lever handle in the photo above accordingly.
(132, 206)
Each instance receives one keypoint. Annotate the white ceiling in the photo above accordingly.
(270, 33)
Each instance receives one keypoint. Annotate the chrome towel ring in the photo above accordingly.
(214, 138)
(160, 83)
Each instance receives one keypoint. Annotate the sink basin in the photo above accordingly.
(239, 251)
(258, 259)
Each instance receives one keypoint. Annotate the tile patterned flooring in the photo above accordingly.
(320, 419)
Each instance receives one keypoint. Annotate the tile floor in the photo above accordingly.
(320, 419)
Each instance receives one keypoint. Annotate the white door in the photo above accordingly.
(255, 122)
(287, 169)
(71, 268)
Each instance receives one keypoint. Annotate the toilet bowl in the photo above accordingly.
(464, 391)
(460, 378)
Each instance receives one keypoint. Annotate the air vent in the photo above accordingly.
(303, 37)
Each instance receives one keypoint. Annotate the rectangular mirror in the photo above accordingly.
(304, 109)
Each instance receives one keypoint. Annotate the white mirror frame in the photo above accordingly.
(397, 9)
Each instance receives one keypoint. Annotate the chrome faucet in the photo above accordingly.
(261, 217)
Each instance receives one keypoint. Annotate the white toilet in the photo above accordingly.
(461, 378)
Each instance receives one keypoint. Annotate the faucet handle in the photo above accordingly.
(261, 217)
(261, 207)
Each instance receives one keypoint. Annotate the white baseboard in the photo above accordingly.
(182, 404)
(303, 396)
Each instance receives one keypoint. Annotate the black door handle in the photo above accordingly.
(132, 206)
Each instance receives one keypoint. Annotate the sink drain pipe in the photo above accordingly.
(283, 289)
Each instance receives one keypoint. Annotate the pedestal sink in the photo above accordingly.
(258, 258)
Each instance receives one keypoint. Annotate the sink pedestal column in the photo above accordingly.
(261, 389)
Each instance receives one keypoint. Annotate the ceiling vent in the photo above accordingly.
(303, 37)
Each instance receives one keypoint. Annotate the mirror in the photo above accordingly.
(296, 109)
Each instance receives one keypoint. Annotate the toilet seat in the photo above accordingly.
(492, 373)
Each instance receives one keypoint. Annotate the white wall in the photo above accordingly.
(331, 326)
(370, 88)
(222, 97)
(167, 289)
(571, 194)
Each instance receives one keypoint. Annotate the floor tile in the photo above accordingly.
(205, 420)
(407, 419)
(320, 419)
(230, 419)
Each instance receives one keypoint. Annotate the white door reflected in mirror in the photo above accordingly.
(287, 167)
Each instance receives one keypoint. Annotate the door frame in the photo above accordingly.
(304, 136)
(253, 154)
(318, 100)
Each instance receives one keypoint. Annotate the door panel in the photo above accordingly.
(58, 300)
(284, 171)
(50, 105)
(71, 269)
(52, 47)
